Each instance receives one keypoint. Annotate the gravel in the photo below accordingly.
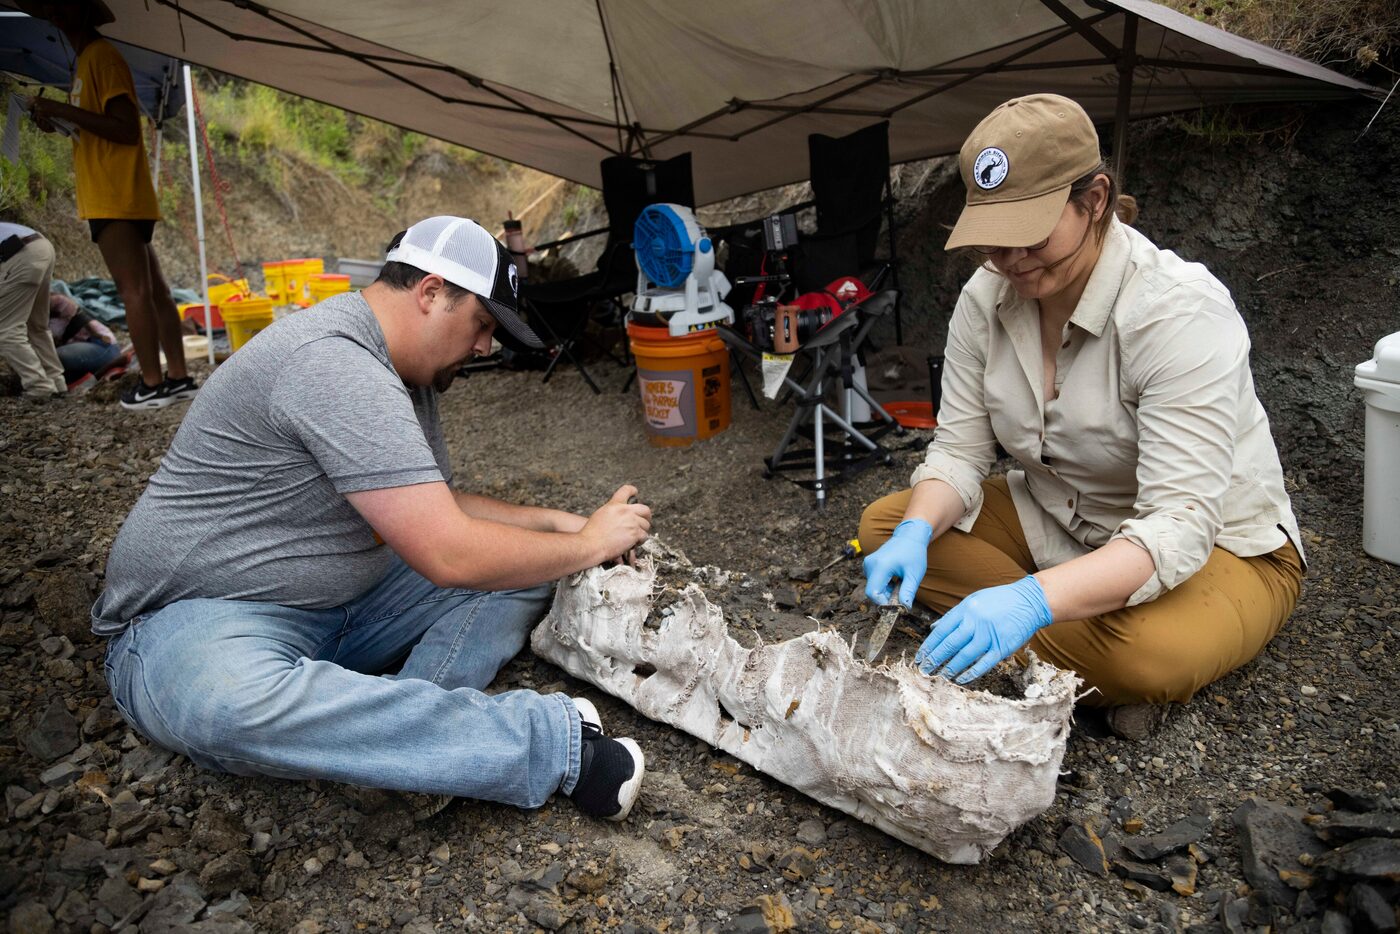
(102, 831)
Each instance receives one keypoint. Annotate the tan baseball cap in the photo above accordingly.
(1018, 165)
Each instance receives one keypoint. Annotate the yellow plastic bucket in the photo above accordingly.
(684, 383)
(325, 284)
(299, 273)
(222, 289)
(275, 281)
(244, 319)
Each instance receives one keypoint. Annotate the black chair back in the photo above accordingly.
(850, 175)
(630, 184)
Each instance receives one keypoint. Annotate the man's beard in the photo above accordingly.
(444, 377)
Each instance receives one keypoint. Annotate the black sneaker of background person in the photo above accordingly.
(140, 396)
(180, 390)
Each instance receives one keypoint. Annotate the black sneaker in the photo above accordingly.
(610, 770)
(140, 396)
(180, 390)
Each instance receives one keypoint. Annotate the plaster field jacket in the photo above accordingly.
(1155, 434)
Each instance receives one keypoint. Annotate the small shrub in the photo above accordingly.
(1350, 35)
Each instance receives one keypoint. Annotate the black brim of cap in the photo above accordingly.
(513, 331)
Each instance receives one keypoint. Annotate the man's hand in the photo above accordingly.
(618, 526)
(39, 112)
(986, 627)
(904, 556)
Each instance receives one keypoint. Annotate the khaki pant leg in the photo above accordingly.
(1212, 623)
(993, 553)
(21, 276)
(40, 337)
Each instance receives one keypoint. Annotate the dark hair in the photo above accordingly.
(401, 277)
(1125, 206)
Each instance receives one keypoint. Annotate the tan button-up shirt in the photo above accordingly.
(1155, 434)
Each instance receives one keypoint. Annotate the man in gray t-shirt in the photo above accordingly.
(301, 539)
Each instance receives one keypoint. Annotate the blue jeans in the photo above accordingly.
(262, 689)
(83, 357)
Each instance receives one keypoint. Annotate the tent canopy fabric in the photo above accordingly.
(561, 84)
(34, 49)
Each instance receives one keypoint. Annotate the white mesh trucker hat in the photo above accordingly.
(463, 253)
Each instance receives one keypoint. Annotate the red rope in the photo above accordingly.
(218, 184)
(162, 175)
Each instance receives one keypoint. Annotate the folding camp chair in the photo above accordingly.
(851, 192)
(564, 309)
(829, 355)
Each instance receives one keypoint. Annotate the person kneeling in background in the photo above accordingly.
(26, 263)
(86, 346)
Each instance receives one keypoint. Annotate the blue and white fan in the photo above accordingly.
(676, 276)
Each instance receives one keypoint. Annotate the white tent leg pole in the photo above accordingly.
(199, 211)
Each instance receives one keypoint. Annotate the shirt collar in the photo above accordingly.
(1105, 282)
(1100, 292)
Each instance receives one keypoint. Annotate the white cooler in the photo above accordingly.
(1379, 380)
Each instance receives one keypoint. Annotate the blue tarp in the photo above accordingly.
(99, 297)
(32, 48)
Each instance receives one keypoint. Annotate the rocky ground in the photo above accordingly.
(103, 831)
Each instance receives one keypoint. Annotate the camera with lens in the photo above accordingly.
(780, 328)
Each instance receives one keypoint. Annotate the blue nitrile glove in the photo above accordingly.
(986, 627)
(904, 556)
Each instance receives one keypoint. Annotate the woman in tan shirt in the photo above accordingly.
(1144, 539)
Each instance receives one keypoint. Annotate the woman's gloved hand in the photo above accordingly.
(986, 627)
(904, 556)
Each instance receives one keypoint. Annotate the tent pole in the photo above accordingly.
(1127, 61)
(199, 211)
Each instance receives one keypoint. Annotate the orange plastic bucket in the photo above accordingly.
(684, 383)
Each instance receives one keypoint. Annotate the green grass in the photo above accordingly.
(272, 135)
(253, 122)
(45, 166)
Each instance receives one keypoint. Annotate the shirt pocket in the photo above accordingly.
(1094, 437)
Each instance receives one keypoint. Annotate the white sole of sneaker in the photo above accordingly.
(632, 788)
(148, 404)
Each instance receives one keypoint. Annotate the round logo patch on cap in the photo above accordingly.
(514, 281)
(989, 169)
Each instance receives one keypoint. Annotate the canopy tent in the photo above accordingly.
(561, 84)
(38, 51)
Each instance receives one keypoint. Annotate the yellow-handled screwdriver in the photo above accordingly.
(848, 550)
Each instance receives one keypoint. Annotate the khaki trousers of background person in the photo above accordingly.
(1166, 650)
(26, 343)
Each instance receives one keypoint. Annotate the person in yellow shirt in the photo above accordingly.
(115, 194)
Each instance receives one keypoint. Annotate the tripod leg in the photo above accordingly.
(875, 407)
(566, 350)
(848, 428)
(819, 441)
(737, 366)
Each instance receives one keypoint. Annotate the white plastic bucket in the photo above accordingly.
(1379, 380)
